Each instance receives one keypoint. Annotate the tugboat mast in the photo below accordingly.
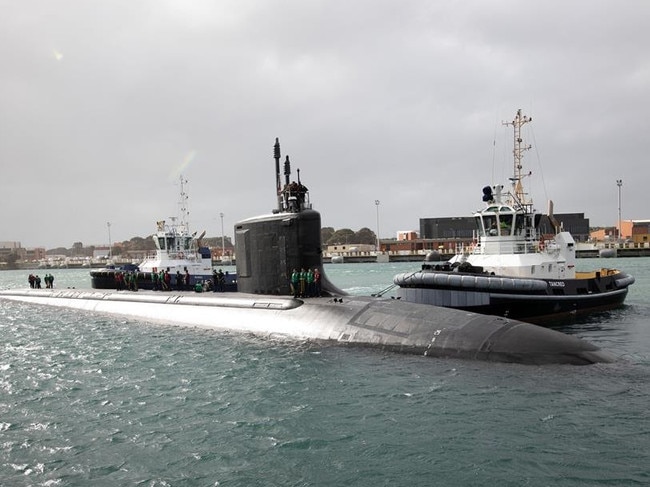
(182, 203)
(518, 152)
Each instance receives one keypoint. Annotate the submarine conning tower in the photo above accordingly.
(269, 247)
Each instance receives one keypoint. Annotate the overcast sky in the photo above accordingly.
(103, 103)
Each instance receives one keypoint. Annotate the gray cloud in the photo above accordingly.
(101, 102)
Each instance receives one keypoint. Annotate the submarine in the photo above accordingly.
(268, 248)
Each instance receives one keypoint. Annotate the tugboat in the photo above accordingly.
(177, 251)
(511, 270)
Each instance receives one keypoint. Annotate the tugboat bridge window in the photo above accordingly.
(497, 223)
(488, 226)
(505, 224)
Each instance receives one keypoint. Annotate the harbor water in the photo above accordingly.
(87, 399)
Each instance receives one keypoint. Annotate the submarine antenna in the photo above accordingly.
(287, 174)
(287, 170)
(278, 187)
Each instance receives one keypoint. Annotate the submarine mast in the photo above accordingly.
(270, 247)
(278, 185)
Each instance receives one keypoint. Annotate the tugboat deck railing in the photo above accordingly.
(506, 247)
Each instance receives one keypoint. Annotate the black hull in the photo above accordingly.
(105, 279)
(532, 300)
(539, 311)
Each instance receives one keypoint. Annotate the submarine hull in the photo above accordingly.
(357, 321)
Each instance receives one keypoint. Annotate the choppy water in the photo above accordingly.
(94, 400)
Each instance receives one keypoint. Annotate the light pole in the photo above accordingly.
(619, 183)
(378, 244)
(223, 247)
(110, 252)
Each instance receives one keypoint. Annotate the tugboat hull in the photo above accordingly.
(532, 300)
(105, 279)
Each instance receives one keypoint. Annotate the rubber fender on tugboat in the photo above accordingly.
(625, 281)
(493, 283)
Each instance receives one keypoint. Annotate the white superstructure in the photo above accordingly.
(509, 242)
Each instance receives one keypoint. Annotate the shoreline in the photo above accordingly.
(365, 258)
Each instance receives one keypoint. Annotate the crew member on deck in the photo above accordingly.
(221, 281)
(187, 279)
(295, 282)
(317, 286)
(303, 282)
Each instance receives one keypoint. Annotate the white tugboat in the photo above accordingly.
(177, 251)
(511, 270)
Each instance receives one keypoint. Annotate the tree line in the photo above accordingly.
(344, 236)
(329, 236)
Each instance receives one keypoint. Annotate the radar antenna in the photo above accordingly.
(518, 153)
